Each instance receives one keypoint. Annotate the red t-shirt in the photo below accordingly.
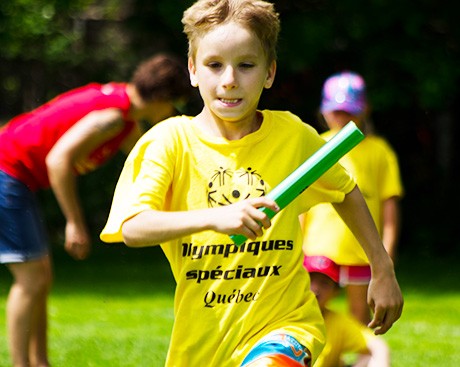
(27, 139)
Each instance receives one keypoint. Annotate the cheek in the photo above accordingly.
(259, 83)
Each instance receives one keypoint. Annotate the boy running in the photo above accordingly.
(192, 181)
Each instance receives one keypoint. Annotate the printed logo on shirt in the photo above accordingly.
(239, 272)
(212, 299)
(228, 187)
(254, 248)
(225, 187)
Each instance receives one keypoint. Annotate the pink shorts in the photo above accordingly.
(354, 275)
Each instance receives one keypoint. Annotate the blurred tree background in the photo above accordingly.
(408, 52)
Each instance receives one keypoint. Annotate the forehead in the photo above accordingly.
(229, 39)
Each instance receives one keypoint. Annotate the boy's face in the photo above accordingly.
(323, 287)
(230, 68)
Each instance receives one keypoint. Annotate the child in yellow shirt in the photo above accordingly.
(374, 165)
(344, 334)
(190, 182)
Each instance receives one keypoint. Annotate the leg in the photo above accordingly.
(24, 240)
(357, 302)
(38, 350)
(26, 312)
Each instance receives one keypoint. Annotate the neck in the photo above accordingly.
(230, 130)
(136, 110)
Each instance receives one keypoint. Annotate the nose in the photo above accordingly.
(229, 78)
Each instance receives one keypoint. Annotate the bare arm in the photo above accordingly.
(384, 295)
(391, 226)
(153, 227)
(380, 352)
(76, 144)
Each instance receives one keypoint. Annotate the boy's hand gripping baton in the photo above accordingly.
(312, 169)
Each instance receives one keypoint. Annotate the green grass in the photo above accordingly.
(115, 309)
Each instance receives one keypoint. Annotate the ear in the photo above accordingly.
(192, 72)
(270, 75)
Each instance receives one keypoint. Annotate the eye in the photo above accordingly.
(246, 65)
(214, 65)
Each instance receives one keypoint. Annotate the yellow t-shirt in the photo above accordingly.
(228, 297)
(374, 165)
(343, 335)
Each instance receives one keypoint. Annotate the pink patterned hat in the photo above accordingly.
(344, 91)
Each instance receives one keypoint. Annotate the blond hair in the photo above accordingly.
(256, 15)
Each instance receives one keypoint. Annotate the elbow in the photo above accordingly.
(57, 165)
(51, 163)
(133, 238)
(54, 160)
(128, 236)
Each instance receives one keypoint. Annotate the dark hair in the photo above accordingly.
(162, 77)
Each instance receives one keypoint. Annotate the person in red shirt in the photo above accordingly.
(72, 134)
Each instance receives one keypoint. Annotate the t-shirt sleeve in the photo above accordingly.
(329, 188)
(142, 185)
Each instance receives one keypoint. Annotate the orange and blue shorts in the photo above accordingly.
(278, 350)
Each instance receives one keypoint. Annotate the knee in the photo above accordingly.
(34, 289)
(43, 283)
(32, 279)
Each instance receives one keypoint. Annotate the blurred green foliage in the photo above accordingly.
(408, 52)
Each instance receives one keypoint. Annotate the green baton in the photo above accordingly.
(310, 170)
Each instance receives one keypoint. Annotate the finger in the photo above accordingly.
(261, 219)
(254, 227)
(375, 323)
(79, 252)
(266, 203)
(75, 251)
(384, 320)
(83, 251)
(383, 328)
(378, 318)
(69, 247)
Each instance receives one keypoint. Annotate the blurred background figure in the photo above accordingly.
(73, 134)
(344, 335)
(375, 167)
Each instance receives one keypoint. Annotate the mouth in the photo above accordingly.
(229, 101)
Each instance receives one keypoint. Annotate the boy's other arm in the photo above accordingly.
(150, 227)
(384, 295)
